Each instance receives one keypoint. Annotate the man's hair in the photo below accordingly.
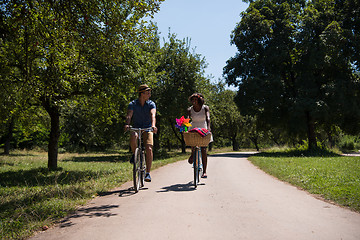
(143, 88)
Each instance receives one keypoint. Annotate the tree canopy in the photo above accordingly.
(179, 70)
(297, 65)
(53, 51)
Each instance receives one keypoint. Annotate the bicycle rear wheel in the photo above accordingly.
(137, 170)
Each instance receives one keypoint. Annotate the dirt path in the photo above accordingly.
(237, 201)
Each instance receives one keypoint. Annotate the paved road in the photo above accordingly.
(237, 201)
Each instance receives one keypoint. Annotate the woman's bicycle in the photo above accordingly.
(139, 164)
(195, 140)
(197, 165)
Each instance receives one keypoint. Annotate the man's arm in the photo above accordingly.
(128, 119)
(153, 119)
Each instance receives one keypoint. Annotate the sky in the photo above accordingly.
(208, 23)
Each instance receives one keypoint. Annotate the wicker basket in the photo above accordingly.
(194, 139)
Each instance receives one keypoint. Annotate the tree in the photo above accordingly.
(56, 49)
(7, 114)
(226, 120)
(326, 83)
(179, 70)
(293, 66)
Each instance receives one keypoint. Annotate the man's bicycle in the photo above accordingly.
(139, 165)
(195, 140)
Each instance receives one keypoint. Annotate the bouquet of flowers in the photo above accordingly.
(182, 124)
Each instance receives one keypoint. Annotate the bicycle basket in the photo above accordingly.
(193, 139)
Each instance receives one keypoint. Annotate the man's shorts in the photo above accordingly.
(148, 138)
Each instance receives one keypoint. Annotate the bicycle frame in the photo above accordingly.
(139, 165)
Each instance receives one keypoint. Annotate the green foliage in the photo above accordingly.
(91, 124)
(226, 120)
(180, 70)
(228, 125)
(349, 143)
(296, 66)
(52, 52)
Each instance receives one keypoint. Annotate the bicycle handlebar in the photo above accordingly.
(149, 129)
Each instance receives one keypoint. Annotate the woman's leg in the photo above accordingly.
(191, 160)
(204, 159)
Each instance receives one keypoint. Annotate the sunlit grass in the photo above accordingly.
(335, 178)
(31, 196)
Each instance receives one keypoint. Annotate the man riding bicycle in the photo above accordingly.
(142, 113)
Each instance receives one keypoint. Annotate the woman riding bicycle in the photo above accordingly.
(200, 118)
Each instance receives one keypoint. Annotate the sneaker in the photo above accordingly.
(132, 158)
(147, 177)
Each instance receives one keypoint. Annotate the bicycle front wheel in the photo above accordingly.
(143, 169)
(137, 170)
(196, 167)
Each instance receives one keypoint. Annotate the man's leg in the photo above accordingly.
(133, 141)
(149, 142)
(149, 157)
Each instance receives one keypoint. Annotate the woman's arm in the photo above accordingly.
(207, 117)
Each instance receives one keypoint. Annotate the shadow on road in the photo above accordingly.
(179, 187)
(234, 154)
(90, 212)
(130, 191)
(122, 193)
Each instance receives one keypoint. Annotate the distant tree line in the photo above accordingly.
(297, 68)
(68, 70)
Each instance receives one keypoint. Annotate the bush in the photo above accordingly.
(349, 143)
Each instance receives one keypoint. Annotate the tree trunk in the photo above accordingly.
(235, 143)
(330, 138)
(181, 139)
(168, 145)
(54, 114)
(8, 136)
(311, 130)
(255, 142)
(183, 146)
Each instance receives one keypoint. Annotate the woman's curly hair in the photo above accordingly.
(199, 96)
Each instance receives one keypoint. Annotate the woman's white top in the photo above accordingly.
(198, 119)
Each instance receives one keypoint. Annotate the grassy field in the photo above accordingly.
(31, 196)
(332, 177)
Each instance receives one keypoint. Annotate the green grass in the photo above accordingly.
(31, 196)
(333, 177)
